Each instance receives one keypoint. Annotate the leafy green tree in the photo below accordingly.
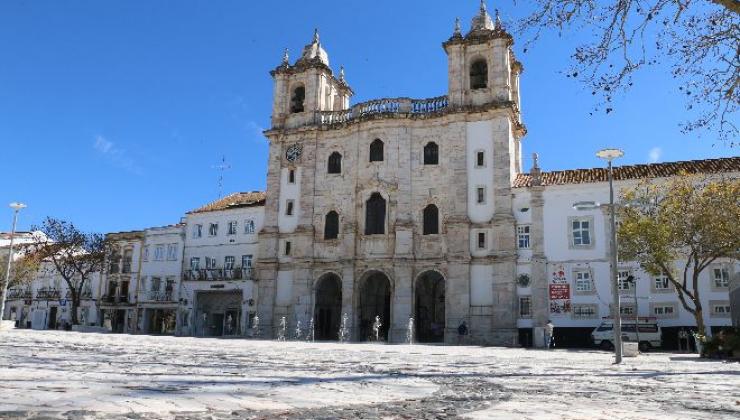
(678, 228)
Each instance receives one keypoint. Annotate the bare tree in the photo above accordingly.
(73, 254)
(699, 39)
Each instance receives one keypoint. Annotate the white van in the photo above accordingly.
(647, 333)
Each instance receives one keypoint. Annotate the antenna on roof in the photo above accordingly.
(221, 168)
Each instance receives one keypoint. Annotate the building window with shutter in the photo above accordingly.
(525, 307)
(522, 235)
(375, 215)
(249, 227)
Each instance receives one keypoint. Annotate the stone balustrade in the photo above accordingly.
(385, 106)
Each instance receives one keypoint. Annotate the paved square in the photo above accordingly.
(73, 375)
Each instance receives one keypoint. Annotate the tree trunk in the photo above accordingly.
(74, 305)
(699, 317)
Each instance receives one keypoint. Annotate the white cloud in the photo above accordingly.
(655, 154)
(116, 156)
(102, 145)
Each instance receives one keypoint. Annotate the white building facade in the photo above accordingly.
(563, 267)
(218, 293)
(160, 279)
(45, 302)
(120, 281)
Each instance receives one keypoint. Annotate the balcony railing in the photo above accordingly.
(48, 294)
(386, 106)
(85, 294)
(19, 294)
(215, 274)
(112, 299)
(157, 296)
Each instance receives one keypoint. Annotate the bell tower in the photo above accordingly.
(481, 64)
(307, 87)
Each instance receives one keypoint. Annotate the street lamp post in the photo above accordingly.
(609, 155)
(16, 208)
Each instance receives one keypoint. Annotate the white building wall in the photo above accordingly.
(480, 138)
(218, 247)
(289, 192)
(561, 254)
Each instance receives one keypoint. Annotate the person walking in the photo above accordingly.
(549, 330)
(462, 331)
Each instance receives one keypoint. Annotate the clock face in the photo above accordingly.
(293, 153)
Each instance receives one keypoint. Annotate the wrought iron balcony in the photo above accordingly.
(215, 274)
(157, 296)
(48, 294)
(19, 294)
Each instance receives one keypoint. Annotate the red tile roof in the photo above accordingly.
(235, 200)
(653, 170)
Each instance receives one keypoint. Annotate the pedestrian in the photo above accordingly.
(462, 331)
(683, 340)
(549, 330)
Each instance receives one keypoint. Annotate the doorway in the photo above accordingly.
(430, 308)
(375, 301)
(53, 318)
(328, 307)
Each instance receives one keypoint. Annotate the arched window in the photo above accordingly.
(335, 163)
(479, 74)
(296, 101)
(431, 154)
(376, 151)
(331, 225)
(431, 220)
(375, 215)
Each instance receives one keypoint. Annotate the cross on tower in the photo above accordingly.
(221, 168)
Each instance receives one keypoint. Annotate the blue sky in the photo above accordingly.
(113, 114)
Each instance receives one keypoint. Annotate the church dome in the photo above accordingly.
(314, 52)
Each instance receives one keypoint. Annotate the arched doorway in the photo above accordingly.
(375, 300)
(429, 310)
(328, 308)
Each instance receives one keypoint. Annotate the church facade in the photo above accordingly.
(395, 208)
(402, 208)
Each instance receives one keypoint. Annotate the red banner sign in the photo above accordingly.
(559, 291)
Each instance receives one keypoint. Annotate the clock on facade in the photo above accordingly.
(293, 153)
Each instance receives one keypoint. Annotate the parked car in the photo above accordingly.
(645, 332)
